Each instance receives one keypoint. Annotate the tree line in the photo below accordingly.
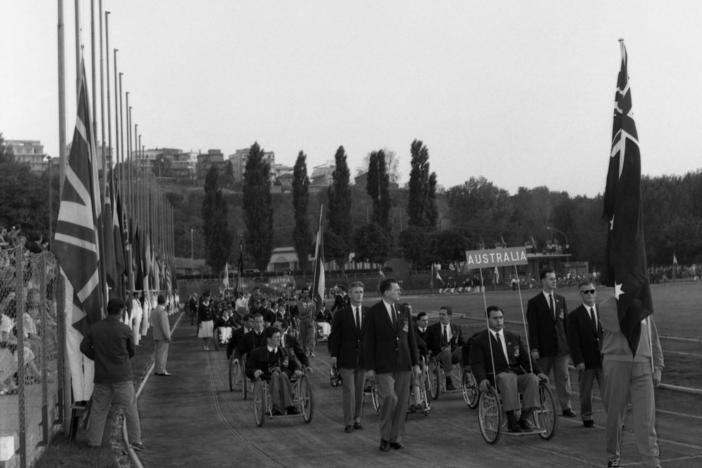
(377, 220)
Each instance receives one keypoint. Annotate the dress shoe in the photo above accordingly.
(292, 410)
(384, 445)
(589, 423)
(137, 446)
(357, 425)
(396, 445)
(164, 374)
(568, 413)
(526, 425)
(512, 424)
(348, 429)
(613, 464)
(278, 412)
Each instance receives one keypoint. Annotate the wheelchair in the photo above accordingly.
(221, 337)
(493, 423)
(437, 382)
(424, 406)
(302, 399)
(237, 374)
(370, 391)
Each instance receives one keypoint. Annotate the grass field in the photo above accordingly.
(677, 310)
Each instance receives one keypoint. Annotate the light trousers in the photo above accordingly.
(119, 395)
(393, 390)
(561, 378)
(352, 385)
(160, 355)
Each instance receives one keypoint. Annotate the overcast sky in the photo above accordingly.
(519, 92)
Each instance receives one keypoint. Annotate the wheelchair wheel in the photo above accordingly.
(215, 339)
(490, 416)
(236, 376)
(470, 390)
(434, 371)
(244, 380)
(259, 403)
(545, 417)
(305, 399)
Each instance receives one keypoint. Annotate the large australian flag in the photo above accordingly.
(626, 269)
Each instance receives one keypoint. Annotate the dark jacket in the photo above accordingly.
(480, 356)
(546, 334)
(435, 340)
(205, 312)
(261, 358)
(421, 341)
(388, 347)
(346, 340)
(292, 346)
(110, 344)
(585, 339)
(251, 341)
(237, 336)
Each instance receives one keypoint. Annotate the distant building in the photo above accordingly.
(30, 152)
(241, 156)
(283, 259)
(205, 161)
(322, 177)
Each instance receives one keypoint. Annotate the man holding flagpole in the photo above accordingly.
(631, 349)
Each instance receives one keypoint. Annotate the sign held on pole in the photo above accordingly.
(489, 258)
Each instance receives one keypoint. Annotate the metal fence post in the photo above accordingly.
(44, 330)
(19, 324)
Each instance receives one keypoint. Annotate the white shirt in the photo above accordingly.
(389, 308)
(360, 315)
(447, 330)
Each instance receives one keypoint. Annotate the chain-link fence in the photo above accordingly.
(30, 355)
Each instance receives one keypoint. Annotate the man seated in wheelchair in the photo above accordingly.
(291, 345)
(445, 342)
(515, 374)
(272, 364)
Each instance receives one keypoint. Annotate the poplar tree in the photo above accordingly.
(338, 235)
(258, 208)
(218, 237)
(301, 234)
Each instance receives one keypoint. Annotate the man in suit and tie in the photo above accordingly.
(546, 314)
(162, 336)
(255, 338)
(345, 346)
(272, 363)
(390, 355)
(290, 344)
(445, 341)
(238, 335)
(499, 356)
(585, 338)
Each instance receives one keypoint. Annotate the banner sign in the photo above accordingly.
(489, 258)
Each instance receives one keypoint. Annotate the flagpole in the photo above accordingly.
(93, 73)
(77, 33)
(63, 371)
(113, 162)
(105, 167)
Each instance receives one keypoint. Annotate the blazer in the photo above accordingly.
(261, 358)
(480, 356)
(237, 337)
(584, 338)
(251, 341)
(421, 337)
(387, 347)
(159, 322)
(292, 346)
(434, 341)
(546, 334)
(346, 340)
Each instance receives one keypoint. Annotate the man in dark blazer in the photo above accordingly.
(497, 352)
(390, 355)
(345, 347)
(421, 333)
(445, 341)
(546, 314)
(585, 338)
(272, 363)
(290, 343)
(238, 335)
(253, 339)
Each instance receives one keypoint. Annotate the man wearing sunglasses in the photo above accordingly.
(585, 342)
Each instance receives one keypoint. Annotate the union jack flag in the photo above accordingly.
(626, 251)
(76, 242)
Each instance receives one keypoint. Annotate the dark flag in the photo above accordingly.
(318, 283)
(626, 252)
(76, 244)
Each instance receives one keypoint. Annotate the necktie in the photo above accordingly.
(499, 342)
(358, 318)
(593, 316)
(444, 336)
(394, 316)
(553, 306)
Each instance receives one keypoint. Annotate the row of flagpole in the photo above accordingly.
(114, 232)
